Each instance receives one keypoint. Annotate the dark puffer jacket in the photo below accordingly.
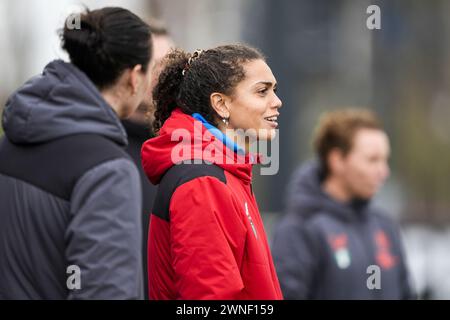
(69, 194)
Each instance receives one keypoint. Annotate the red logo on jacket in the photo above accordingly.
(383, 255)
(338, 241)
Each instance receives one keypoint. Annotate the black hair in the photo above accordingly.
(215, 70)
(107, 42)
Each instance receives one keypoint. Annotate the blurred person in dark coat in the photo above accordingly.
(138, 128)
(332, 242)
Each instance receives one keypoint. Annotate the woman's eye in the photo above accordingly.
(263, 91)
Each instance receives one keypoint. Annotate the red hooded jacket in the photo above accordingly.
(206, 237)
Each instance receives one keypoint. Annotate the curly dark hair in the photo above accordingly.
(215, 70)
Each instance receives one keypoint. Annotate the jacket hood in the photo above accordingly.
(307, 197)
(183, 138)
(59, 102)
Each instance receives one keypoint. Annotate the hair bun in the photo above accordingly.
(108, 41)
(95, 37)
(87, 37)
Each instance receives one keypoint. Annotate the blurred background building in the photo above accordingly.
(324, 57)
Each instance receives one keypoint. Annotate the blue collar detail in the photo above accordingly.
(219, 134)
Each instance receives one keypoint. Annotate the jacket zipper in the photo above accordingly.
(250, 219)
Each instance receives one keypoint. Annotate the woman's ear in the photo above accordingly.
(217, 101)
(135, 78)
(336, 160)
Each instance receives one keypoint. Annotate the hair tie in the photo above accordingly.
(191, 59)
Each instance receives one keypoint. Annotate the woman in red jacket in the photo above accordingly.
(206, 238)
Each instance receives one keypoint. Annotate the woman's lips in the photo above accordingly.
(272, 121)
(272, 124)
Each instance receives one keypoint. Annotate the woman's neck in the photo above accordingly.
(336, 190)
(242, 142)
(113, 100)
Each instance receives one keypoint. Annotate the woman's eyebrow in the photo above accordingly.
(267, 83)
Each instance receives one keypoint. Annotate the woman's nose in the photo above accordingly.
(277, 102)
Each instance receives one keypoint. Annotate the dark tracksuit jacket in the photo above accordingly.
(137, 134)
(322, 249)
(69, 193)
